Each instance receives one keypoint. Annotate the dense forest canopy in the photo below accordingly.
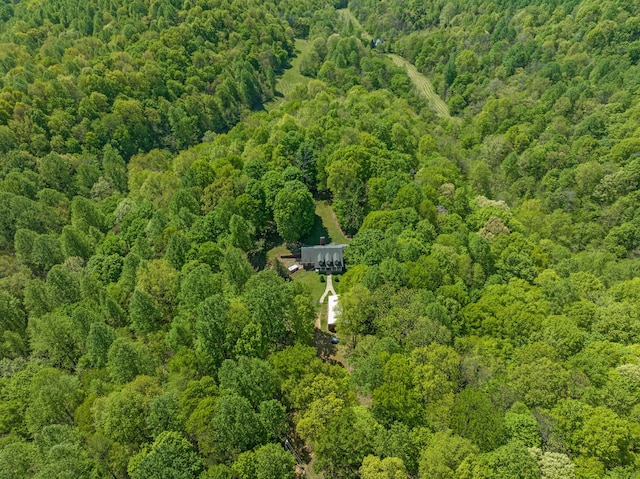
(152, 169)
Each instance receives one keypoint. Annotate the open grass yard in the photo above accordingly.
(291, 76)
(330, 223)
(311, 279)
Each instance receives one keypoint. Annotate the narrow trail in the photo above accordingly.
(420, 81)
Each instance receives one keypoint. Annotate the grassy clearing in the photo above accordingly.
(311, 279)
(330, 223)
(348, 16)
(291, 76)
(423, 85)
(277, 251)
(420, 81)
(325, 224)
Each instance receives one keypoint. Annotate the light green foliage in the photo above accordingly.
(293, 211)
(489, 310)
(18, 460)
(121, 416)
(211, 326)
(511, 311)
(521, 425)
(251, 378)
(355, 312)
(396, 399)
(512, 460)
(388, 468)
(54, 397)
(270, 461)
(236, 268)
(197, 285)
(56, 337)
(554, 465)
(606, 437)
(540, 382)
(241, 231)
(65, 461)
(444, 455)
(114, 168)
(160, 280)
(236, 427)
(170, 456)
(338, 450)
(313, 423)
(126, 360)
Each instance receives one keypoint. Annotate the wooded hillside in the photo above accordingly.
(489, 313)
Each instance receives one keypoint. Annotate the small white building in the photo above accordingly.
(332, 309)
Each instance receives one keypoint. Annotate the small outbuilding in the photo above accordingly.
(293, 268)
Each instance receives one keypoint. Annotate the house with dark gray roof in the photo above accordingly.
(323, 258)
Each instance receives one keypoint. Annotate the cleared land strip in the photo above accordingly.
(348, 16)
(421, 82)
(423, 85)
(290, 77)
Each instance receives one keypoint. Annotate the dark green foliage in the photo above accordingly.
(75, 243)
(143, 313)
(99, 340)
(164, 414)
(474, 417)
(126, 360)
(250, 378)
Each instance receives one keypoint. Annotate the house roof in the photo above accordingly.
(331, 253)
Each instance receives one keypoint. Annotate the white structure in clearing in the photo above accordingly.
(332, 309)
(292, 269)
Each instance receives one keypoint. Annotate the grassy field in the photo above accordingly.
(291, 76)
(348, 16)
(277, 251)
(311, 279)
(423, 85)
(420, 81)
(330, 223)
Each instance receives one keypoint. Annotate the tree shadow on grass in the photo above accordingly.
(324, 346)
(317, 231)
